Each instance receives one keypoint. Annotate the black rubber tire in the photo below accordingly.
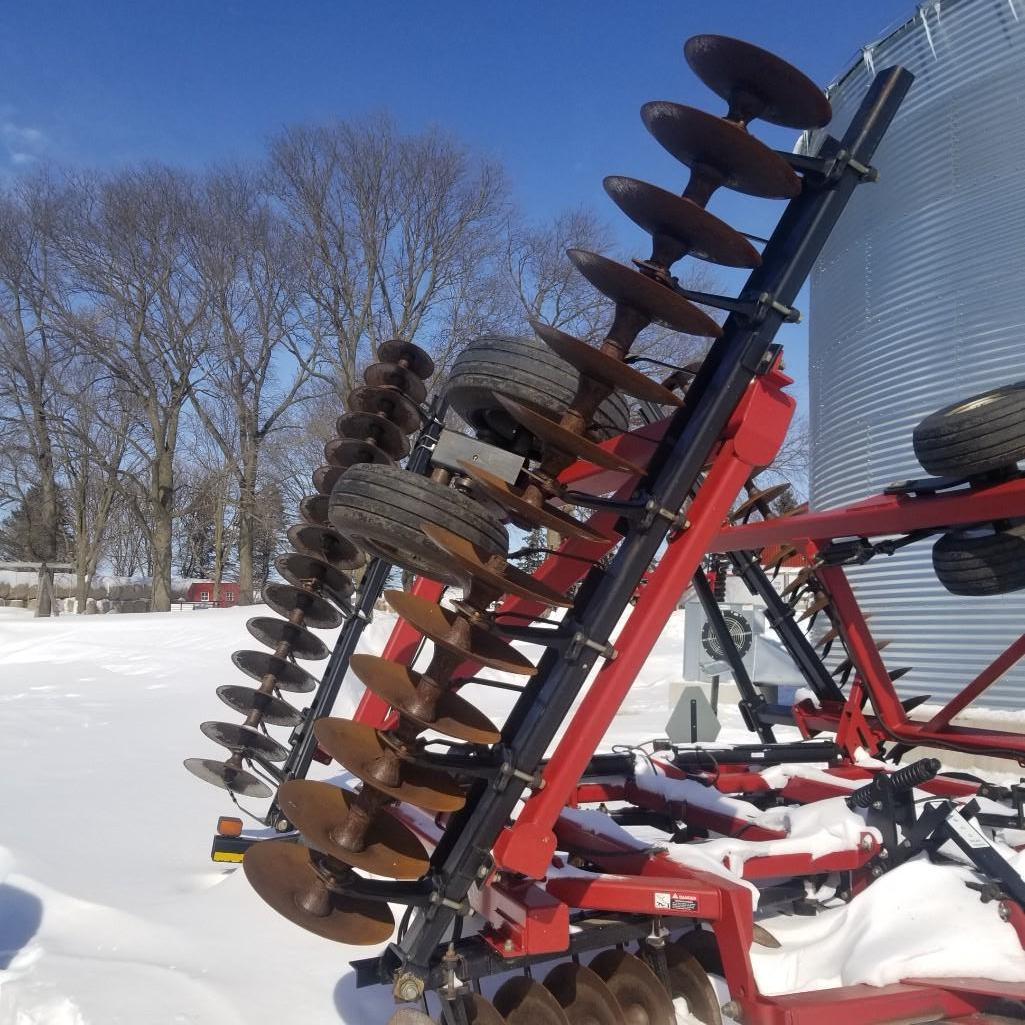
(382, 509)
(981, 562)
(527, 371)
(974, 436)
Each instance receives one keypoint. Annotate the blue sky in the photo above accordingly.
(552, 89)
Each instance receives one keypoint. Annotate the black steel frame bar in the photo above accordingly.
(464, 855)
(781, 618)
(750, 698)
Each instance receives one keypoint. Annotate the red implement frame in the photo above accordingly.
(532, 917)
(885, 515)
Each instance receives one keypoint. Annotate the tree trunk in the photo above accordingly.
(162, 504)
(246, 521)
(219, 546)
(82, 576)
(49, 519)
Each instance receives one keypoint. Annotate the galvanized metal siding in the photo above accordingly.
(919, 300)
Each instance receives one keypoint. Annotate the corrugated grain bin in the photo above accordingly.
(919, 300)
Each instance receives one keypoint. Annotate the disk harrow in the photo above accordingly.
(451, 815)
(318, 585)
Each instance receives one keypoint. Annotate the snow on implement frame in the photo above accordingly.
(484, 840)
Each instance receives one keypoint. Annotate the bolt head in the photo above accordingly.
(408, 988)
(282, 825)
(1004, 911)
(732, 1010)
(508, 946)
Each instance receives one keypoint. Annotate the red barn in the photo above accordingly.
(203, 591)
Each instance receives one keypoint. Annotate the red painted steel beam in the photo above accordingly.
(862, 1005)
(754, 436)
(1007, 658)
(673, 896)
(401, 647)
(880, 516)
(523, 918)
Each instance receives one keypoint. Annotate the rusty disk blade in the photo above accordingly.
(391, 375)
(523, 1001)
(630, 287)
(346, 452)
(379, 429)
(599, 366)
(303, 570)
(272, 632)
(756, 83)
(506, 578)
(244, 741)
(357, 747)
(702, 945)
(820, 603)
(326, 477)
(238, 781)
(523, 512)
(410, 1016)
(320, 810)
(798, 582)
(785, 552)
(847, 664)
(437, 624)
(313, 509)
(689, 981)
(566, 441)
(285, 599)
(636, 987)
(692, 227)
(283, 875)
(287, 675)
(325, 543)
(396, 684)
(273, 711)
(481, 1012)
(828, 637)
(720, 151)
(766, 495)
(396, 350)
(583, 996)
(389, 403)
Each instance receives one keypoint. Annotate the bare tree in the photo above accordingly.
(140, 313)
(544, 280)
(549, 288)
(92, 449)
(392, 231)
(261, 358)
(33, 355)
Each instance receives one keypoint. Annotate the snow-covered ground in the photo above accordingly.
(111, 912)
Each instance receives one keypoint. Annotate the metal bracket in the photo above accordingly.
(508, 772)
(858, 551)
(453, 448)
(830, 168)
(925, 485)
(755, 308)
(652, 511)
(580, 642)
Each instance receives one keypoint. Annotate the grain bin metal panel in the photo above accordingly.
(919, 300)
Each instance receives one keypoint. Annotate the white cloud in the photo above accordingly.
(22, 143)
